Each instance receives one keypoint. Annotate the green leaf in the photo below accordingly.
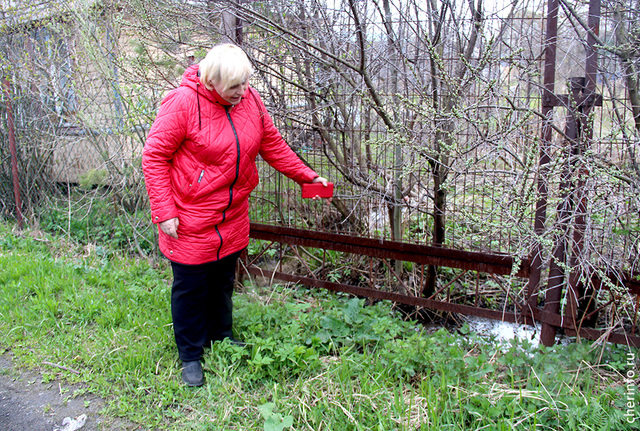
(352, 311)
(274, 421)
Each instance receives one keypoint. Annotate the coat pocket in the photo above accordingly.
(189, 185)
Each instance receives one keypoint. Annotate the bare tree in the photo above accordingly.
(411, 66)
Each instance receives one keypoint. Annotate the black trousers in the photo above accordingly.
(201, 304)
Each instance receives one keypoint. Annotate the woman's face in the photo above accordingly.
(233, 94)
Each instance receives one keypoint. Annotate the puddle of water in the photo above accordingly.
(503, 331)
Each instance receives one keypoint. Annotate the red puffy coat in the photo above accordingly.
(199, 166)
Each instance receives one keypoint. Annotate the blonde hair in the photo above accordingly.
(225, 64)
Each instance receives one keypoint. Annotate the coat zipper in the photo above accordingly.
(224, 212)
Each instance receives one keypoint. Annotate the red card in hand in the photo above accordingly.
(311, 190)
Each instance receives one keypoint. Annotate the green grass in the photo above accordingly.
(315, 360)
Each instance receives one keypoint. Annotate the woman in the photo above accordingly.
(199, 168)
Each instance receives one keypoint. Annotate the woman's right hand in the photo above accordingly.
(170, 227)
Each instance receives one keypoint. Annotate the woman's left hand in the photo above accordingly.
(325, 183)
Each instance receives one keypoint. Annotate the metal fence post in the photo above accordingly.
(545, 141)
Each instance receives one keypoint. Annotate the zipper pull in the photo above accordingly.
(201, 175)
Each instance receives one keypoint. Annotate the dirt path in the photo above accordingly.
(28, 404)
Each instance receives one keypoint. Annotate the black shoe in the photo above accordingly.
(192, 373)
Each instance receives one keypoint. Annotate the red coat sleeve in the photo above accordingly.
(165, 137)
(275, 151)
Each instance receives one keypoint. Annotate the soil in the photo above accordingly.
(27, 403)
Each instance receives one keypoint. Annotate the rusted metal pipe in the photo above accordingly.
(551, 36)
(591, 69)
(548, 97)
(577, 292)
(439, 256)
(565, 213)
(575, 284)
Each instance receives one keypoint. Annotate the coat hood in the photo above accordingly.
(191, 79)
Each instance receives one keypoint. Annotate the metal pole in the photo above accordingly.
(548, 103)
(576, 281)
(14, 154)
(565, 210)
